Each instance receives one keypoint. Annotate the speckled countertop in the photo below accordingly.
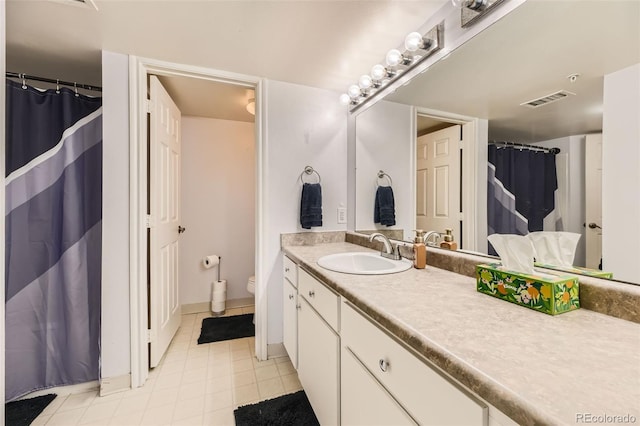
(535, 368)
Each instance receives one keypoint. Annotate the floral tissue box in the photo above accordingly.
(545, 293)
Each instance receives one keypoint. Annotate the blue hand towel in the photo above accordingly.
(311, 205)
(384, 211)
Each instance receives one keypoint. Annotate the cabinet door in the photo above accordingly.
(290, 321)
(318, 368)
(363, 400)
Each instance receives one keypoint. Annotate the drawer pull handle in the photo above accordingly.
(312, 293)
(286, 269)
(290, 296)
(384, 365)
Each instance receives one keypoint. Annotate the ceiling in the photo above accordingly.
(529, 54)
(325, 44)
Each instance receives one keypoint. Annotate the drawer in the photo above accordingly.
(428, 397)
(290, 270)
(323, 300)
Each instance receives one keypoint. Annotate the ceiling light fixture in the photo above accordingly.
(418, 47)
(251, 106)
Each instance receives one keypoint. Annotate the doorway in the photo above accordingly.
(451, 155)
(140, 72)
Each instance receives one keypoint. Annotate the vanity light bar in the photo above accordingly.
(417, 48)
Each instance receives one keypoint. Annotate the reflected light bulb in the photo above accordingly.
(394, 57)
(353, 91)
(365, 82)
(345, 99)
(413, 42)
(458, 3)
(378, 72)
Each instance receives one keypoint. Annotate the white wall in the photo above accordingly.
(573, 148)
(621, 174)
(305, 126)
(2, 206)
(217, 204)
(385, 140)
(115, 326)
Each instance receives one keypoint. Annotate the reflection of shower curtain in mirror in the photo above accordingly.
(53, 238)
(521, 192)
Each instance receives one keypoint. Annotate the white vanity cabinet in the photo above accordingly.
(290, 310)
(399, 378)
(319, 347)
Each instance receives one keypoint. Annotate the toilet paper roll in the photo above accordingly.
(220, 285)
(210, 261)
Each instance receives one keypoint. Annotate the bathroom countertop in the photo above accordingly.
(535, 368)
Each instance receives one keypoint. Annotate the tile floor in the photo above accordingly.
(193, 385)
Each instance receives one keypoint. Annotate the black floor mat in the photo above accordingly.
(226, 328)
(25, 411)
(292, 409)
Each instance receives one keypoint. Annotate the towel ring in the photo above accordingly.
(382, 174)
(308, 170)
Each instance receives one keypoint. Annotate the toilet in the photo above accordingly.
(251, 288)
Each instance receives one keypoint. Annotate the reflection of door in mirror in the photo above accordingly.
(593, 199)
(438, 181)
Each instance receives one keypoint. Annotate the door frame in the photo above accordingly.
(474, 155)
(139, 69)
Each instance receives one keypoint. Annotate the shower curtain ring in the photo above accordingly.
(75, 88)
(24, 81)
(57, 85)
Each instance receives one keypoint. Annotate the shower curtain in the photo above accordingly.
(53, 238)
(521, 192)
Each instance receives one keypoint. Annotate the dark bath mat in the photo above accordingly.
(226, 328)
(25, 411)
(292, 409)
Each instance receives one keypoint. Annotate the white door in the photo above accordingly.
(164, 187)
(438, 181)
(593, 199)
(290, 321)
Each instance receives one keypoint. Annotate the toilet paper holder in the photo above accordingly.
(206, 264)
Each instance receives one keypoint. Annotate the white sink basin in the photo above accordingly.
(363, 263)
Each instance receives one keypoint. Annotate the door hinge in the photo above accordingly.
(148, 104)
(461, 216)
(150, 336)
(460, 144)
(148, 221)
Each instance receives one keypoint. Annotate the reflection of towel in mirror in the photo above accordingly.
(384, 211)
(311, 205)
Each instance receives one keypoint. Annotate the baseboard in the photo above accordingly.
(196, 308)
(65, 390)
(276, 350)
(116, 384)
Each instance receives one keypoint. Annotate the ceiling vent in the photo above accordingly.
(545, 100)
(82, 3)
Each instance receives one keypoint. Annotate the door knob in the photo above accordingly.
(312, 293)
(181, 229)
(594, 225)
(384, 365)
(291, 297)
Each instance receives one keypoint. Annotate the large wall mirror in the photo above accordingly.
(555, 55)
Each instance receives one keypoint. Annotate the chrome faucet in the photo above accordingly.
(388, 251)
(429, 235)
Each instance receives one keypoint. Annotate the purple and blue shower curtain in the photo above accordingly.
(522, 186)
(53, 238)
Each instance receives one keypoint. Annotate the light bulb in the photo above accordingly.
(394, 57)
(458, 3)
(345, 99)
(413, 42)
(378, 72)
(354, 91)
(365, 82)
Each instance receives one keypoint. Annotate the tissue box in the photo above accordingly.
(549, 294)
(596, 273)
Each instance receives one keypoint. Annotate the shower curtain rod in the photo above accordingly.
(54, 81)
(525, 146)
